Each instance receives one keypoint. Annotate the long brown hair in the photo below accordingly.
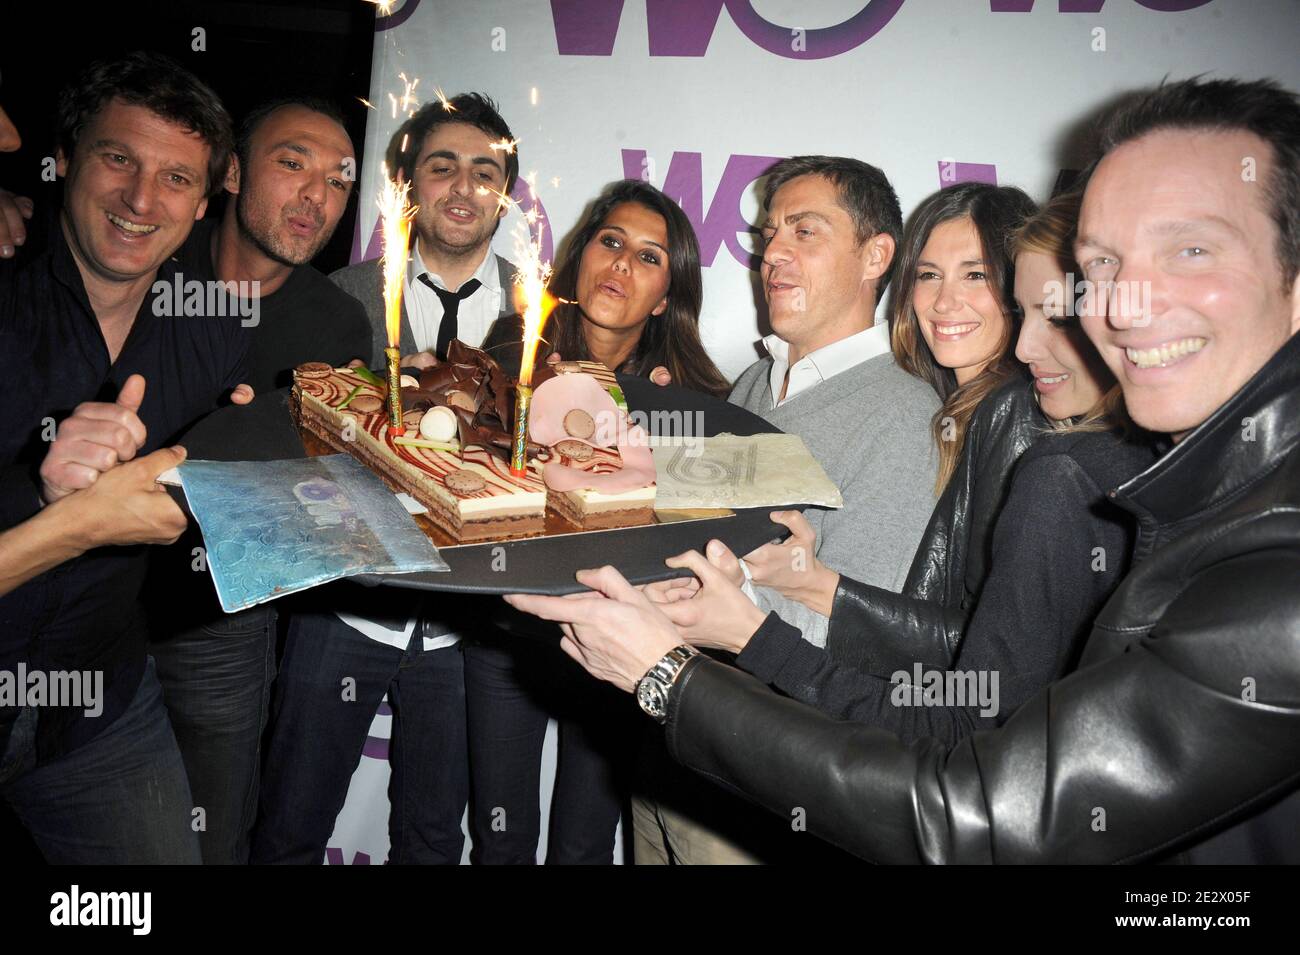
(671, 339)
(1051, 231)
(995, 212)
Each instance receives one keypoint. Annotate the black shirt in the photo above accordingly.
(308, 318)
(84, 615)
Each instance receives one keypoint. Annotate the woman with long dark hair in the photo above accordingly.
(953, 318)
(630, 277)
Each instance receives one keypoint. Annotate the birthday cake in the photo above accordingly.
(584, 461)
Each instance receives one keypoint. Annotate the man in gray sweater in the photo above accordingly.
(829, 377)
(829, 237)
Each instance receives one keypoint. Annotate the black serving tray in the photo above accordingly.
(263, 431)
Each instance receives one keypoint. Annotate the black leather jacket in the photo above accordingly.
(1179, 731)
(952, 560)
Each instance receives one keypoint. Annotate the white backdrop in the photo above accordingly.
(699, 96)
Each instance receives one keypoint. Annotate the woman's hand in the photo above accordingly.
(613, 630)
(791, 567)
(718, 614)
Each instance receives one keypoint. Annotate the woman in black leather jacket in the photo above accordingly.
(953, 324)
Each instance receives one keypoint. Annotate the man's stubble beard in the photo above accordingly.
(433, 242)
(267, 244)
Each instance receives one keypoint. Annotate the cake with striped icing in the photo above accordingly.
(469, 492)
(595, 474)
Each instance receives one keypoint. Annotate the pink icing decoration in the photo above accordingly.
(556, 397)
(638, 466)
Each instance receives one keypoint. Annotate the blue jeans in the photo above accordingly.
(120, 799)
(216, 683)
(332, 679)
(513, 684)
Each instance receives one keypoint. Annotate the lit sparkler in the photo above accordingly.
(395, 213)
(533, 274)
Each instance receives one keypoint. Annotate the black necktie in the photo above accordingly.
(450, 306)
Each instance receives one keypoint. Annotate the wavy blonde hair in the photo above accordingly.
(1051, 231)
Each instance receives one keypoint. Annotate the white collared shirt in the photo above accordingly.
(473, 319)
(475, 315)
(826, 362)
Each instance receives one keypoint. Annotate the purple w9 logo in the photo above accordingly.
(683, 183)
(685, 27)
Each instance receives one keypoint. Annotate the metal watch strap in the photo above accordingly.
(661, 677)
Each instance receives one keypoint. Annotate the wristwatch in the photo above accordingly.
(652, 691)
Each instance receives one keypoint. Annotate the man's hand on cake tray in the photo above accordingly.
(613, 630)
(96, 437)
(242, 395)
(355, 363)
(127, 505)
(14, 210)
(719, 615)
(672, 590)
(791, 567)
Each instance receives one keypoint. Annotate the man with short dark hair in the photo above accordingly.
(455, 287)
(1177, 737)
(830, 231)
(462, 165)
(92, 367)
(287, 189)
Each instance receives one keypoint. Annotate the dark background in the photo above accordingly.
(254, 51)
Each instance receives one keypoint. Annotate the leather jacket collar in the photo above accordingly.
(1223, 456)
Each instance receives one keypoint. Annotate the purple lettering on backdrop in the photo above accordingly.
(586, 27)
(375, 747)
(1094, 6)
(724, 222)
(335, 857)
(685, 27)
(383, 23)
(817, 44)
(521, 193)
(951, 173)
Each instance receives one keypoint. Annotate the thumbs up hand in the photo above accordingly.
(95, 438)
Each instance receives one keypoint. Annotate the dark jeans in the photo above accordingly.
(332, 680)
(120, 799)
(216, 683)
(513, 683)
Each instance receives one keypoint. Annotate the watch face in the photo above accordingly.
(651, 697)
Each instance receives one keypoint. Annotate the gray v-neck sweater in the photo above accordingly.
(869, 428)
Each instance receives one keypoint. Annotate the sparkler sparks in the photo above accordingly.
(442, 98)
(503, 201)
(506, 145)
(531, 277)
(395, 213)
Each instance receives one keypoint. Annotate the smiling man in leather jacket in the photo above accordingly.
(1178, 735)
